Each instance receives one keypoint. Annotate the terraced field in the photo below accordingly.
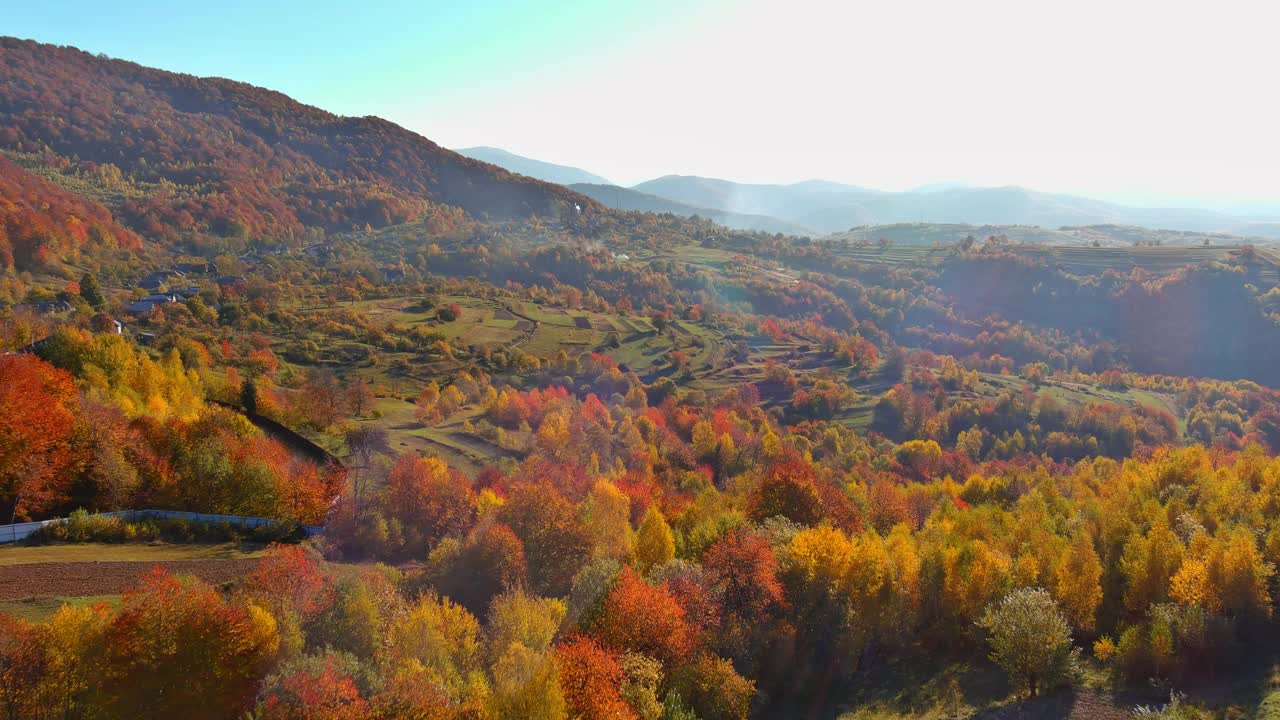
(1156, 260)
(991, 385)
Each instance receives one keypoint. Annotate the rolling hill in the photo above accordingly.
(537, 169)
(174, 155)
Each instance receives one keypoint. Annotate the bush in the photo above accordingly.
(714, 690)
(85, 527)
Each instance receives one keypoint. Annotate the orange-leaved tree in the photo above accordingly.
(590, 677)
(178, 649)
(644, 618)
(38, 407)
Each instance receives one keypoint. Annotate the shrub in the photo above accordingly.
(85, 527)
(713, 689)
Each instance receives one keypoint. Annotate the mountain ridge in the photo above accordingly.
(537, 169)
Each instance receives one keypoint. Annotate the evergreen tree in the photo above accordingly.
(91, 291)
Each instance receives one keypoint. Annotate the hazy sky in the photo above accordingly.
(1132, 99)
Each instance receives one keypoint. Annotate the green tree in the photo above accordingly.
(249, 395)
(1030, 638)
(715, 691)
(91, 291)
(354, 622)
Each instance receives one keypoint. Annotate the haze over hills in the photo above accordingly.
(817, 207)
(788, 202)
(621, 198)
(537, 169)
(830, 207)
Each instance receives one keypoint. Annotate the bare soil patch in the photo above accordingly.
(77, 579)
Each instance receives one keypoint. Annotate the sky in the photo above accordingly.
(1144, 101)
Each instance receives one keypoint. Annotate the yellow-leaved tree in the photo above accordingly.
(1148, 563)
(606, 513)
(440, 638)
(655, 545)
(1079, 588)
(526, 680)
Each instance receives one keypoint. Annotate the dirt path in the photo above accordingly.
(78, 579)
(515, 313)
(1080, 704)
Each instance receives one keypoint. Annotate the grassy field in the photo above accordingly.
(1076, 260)
(125, 552)
(991, 385)
(40, 609)
(1156, 260)
(544, 330)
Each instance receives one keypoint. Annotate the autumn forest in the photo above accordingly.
(527, 456)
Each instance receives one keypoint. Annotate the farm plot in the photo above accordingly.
(36, 581)
(80, 579)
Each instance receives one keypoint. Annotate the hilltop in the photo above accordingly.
(175, 154)
(550, 172)
(787, 202)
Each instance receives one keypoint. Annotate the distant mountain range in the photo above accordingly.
(828, 207)
(549, 172)
(820, 207)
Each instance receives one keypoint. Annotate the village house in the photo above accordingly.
(50, 307)
(145, 305)
(156, 280)
(197, 268)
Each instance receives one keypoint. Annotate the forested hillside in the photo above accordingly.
(41, 222)
(185, 154)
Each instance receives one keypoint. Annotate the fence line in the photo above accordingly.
(20, 531)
